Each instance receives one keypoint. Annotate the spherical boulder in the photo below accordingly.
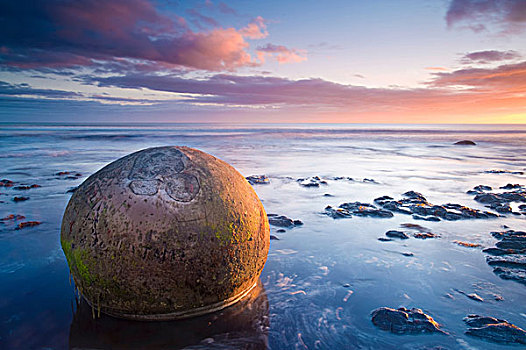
(165, 233)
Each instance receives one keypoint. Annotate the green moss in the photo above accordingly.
(223, 231)
(78, 260)
(93, 286)
(228, 232)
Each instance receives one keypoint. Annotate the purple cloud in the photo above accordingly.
(225, 9)
(508, 15)
(201, 20)
(61, 34)
(489, 56)
(8, 89)
(486, 89)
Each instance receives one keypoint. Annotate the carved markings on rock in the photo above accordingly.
(164, 170)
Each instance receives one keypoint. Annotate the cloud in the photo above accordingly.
(436, 68)
(485, 86)
(65, 34)
(489, 56)
(479, 15)
(509, 78)
(225, 9)
(201, 20)
(282, 53)
(485, 92)
(25, 92)
(8, 89)
(257, 29)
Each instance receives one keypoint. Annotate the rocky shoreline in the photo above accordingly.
(507, 257)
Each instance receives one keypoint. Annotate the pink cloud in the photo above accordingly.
(215, 50)
(509, 77)
(257, 29)
(436, 68)
(281, 53)
(56, 34)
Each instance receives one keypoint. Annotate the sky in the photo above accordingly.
(340, 61)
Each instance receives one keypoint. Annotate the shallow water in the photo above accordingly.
(321, 280)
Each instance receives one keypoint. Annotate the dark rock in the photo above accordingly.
(13, 217)
(314, 181)
(494, 329)
(415, 195)
(508, 257)
(502, 208)
(384, 239)
(517, 261)
(409, 254)
(480, 189)
(467, 244)
(517, 275)
(258, 179)
(416, 204)
(6, 183)
(20, 199)
(274, 238)
(68, 175)
(72, 190)
(372, 181)
(499, 252)
(27, 224)
(365, 209)
(465, 143)
(511, 187)
(281, 230)
(396, 234)
(338, 178)
(347, 210)
(425, 235)
(426, 218)
(282, 221)
(383, 198)
(508, 234)
(479, 321)
(328, 195)
(337, 213)
(404, 321)
(498, 171)
(26, 187)
(512, 243)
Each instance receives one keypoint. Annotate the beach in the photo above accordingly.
(324, 276)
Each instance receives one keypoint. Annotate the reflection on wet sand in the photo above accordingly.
(243, 325)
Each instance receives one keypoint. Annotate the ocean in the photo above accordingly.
(322, 279)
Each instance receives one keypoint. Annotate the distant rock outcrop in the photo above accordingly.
(465, 143)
